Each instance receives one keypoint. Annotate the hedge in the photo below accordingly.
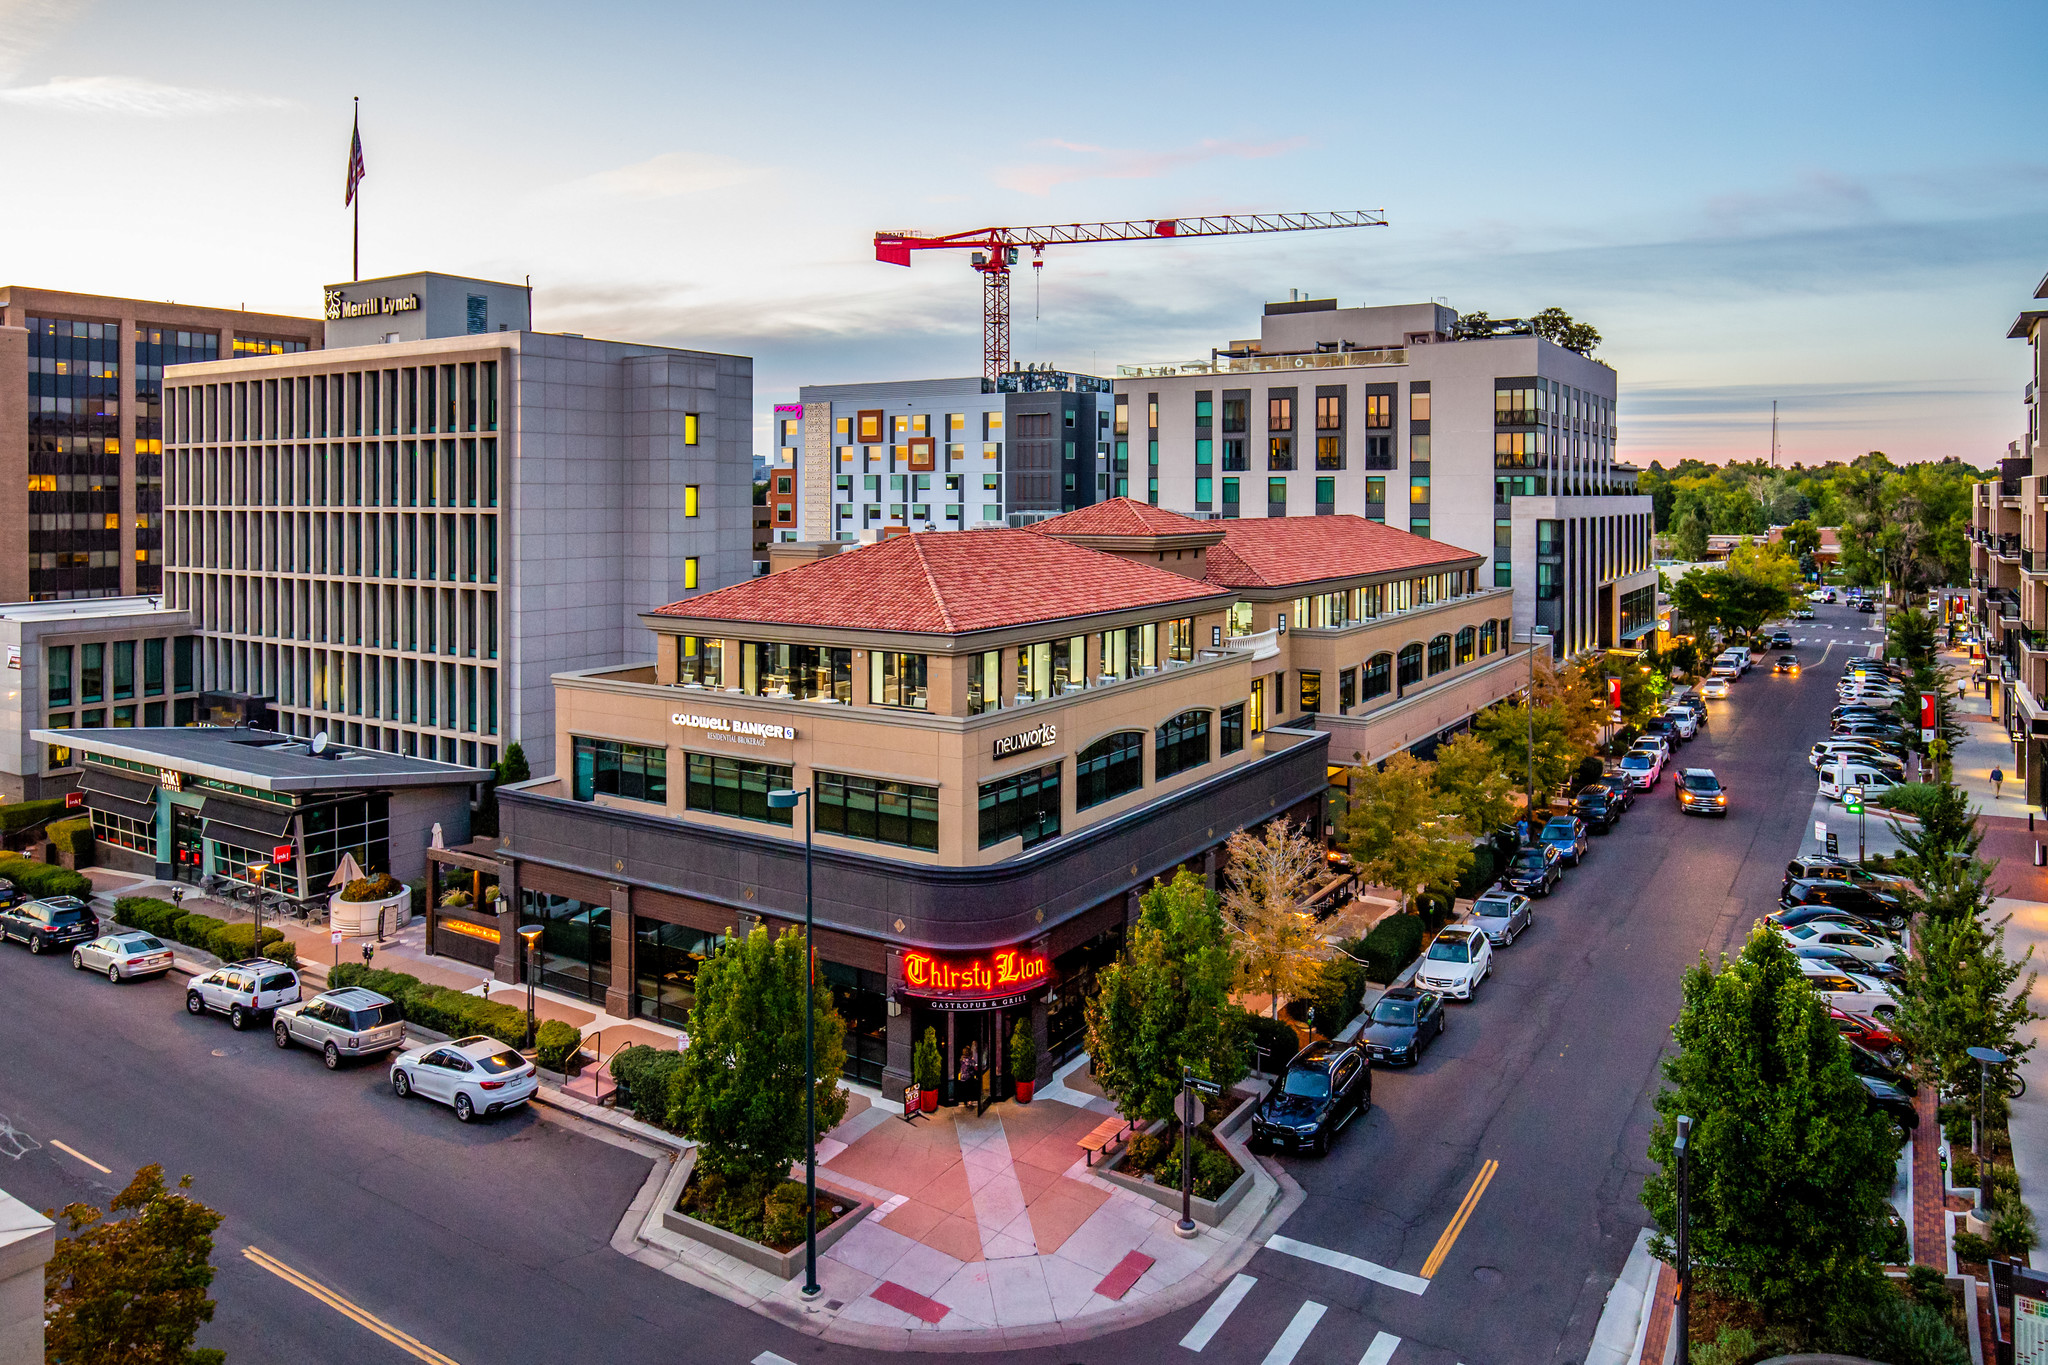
(436, 1007)
(1334, 1000)
(1391, 946)
(556, 1043)
(645, 1075)
(228, 942)
(1273, 1042)
(19, 816)
(74, 837)
(42, 880)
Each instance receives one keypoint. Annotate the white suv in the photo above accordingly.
(243, 991)
(471, 1075)
(350, 1022)
(1457, 960)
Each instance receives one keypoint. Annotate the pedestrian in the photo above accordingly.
(1997, 776)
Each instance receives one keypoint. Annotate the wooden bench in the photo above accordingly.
(1105, 1138)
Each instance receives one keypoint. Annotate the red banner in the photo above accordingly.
(1614, 693)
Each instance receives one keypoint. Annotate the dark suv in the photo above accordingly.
(1819, 867)
(1700, 793)
(1865, 904)
(1533, 870)
(1594, 808)
(1325, 1087)
(54, 923)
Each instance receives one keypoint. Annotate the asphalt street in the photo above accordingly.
(387, 1220)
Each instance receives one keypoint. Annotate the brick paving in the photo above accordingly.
(1930, 1221)
(1663, 1312)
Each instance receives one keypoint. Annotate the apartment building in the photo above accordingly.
(81, 431)
(403, 537)
(946, 454)
(1503, 442)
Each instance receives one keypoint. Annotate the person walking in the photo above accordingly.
(1997, 776)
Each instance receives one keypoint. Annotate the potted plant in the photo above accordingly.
(924, 1069)
(1023, 1060)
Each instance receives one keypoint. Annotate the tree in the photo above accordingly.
(1266, 885)
(1689, 536)
(132, 1292)
(1162, 1009)
(740, 1090)
(1401, 831)
(1791, 1167)
(1802, 537)
(1469, 774)
(512, 767)
(1506, 730)
(1557, 325)
(1739, 596)
(1957, 992)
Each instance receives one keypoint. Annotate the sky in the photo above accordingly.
(1838, 207)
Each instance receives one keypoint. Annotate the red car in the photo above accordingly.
(1869, 1034)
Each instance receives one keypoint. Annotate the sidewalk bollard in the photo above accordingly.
(2040, 855)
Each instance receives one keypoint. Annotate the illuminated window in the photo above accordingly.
(689, 428)
(690, 500)
(690, 572)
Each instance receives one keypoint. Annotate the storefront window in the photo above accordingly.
(665, 961)
(637, 772)
(360, 826)
(900, 813)
(1066, 1030)
(1183, 744)
(250, 866)
(702, 661)
(862, 1000)
(1110, 767)
(896, 679)
(139, 835)
(1026, 805)
(731, 786)
(575, 954)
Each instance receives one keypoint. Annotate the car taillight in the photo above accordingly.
(490, 1085)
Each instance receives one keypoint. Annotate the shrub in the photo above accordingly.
(419, 898)
(75, 838)
(1970, 1247)
(372, 888)
(284, 952)
(1917, 799)
(1334, 999)
(1274, 1042)
(229, 942)
(782, 1214)
(643, 1074)
(1391, 946)
(436, 1007)
(1023, 1052)
(146, 913)
(232, 942)
(1902, 1332)
(41, 880)
(2012, 1231)
(454, 897)
(925, 1062)
(1158, 1155)
(20, 815)
(556, 1044)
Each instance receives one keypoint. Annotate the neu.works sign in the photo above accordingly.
(1024, 741)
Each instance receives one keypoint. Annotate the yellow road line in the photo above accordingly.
(73, 1151)
(363, 1317)
(1457, 1223)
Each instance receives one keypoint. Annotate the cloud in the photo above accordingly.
(25, 25)
(132, 96)
(1105, 163)
(669, 175)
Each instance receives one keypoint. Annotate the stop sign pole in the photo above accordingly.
(1188, 1109)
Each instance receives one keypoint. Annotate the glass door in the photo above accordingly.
(187, 860)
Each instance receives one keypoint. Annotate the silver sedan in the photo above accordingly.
(123, 957)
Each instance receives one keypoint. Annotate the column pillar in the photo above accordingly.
(896, 1073)
(618, 995)
(127, 427)
(506, 968)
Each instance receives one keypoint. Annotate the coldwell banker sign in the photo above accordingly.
(1024, 741)
(733, 731)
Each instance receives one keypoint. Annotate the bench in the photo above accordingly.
(1105, 1137)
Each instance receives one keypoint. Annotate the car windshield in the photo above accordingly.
(1559, 829)
(1701, 782)
(1450, 950)
(1308, 1083)
(1394, 1012)
(1530, 860)
(1636, 761)
(142, 943)
(374, 1017)
(1492, 909)
(497, 1062)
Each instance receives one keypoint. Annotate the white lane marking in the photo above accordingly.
(1379, 1274)
(770, 1358)
(1381, 1351)
(1212, 1321)
(1305, 1319)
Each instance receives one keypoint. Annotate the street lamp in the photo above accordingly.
(783, 798)
(1536, 635)
(1681, 1148)
(531, 934)
(1986, 1058)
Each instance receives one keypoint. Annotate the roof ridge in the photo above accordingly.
(931, 581)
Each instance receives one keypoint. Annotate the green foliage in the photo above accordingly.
(1739, 596)
(1689, 535)
(644, 1075)
(1468, 772)
(1023, 1052)
(1391, 946)
(228, 942)
(1791, 1168)
(513, 767)
(555, 1043)
(374, 888)
(20, 815)
(1557, 325)
(1270, 1044)
(740, 1092)
(74, 837)
(1400, 830)
(764, 1206)
(1334, 998)
(1158, 1155)
(284, 952)
(1956, 991)
(1163, 1008)
(1506, 730)
(927, 1062)
(2012, 1231)
(1909, 636)
(42, 880)
(132, 1291)
(1912, 798)
(1970, 1247)
(436, 1007)
(1900, 1331)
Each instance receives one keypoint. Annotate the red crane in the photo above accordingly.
(995, 251)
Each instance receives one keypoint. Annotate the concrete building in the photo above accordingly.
(81, 431)
(1501, 442)
(946, 454)
(404, 536)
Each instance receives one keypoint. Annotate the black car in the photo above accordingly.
(1668, 728)
(1595, 809)
(1867, 607)
(1695, 703)
(1534, 870)
(1402, 1024)
(1845, 962)
(9, 894)
(54, 923)
(1893, 1102)
(1826, 894)
(1325, 1087)
(1701, 793)
(1781, 639)
(1620, 796)
(1887, 735)
(1808, 913)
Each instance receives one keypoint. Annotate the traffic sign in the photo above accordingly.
(335, 938)
(1209, 1088)
(1188, 1109)
(1834, 846)
(1820, 831)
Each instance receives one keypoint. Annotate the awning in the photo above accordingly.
(246, 824)
(114, 805)
(113, 795)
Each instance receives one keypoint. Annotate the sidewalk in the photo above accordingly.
(2028, 1121)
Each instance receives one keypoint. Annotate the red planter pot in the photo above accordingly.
(928, 1101)
(1024, 1091)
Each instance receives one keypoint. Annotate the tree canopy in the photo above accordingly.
(1267, 881)
(1401, 830)
(133, 1291)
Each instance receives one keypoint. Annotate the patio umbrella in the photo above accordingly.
(348, 871)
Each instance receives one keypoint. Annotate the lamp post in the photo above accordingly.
(1681, 1148)
(787, 799)
(531, 935)
(1986, 1058)
(1537, 634)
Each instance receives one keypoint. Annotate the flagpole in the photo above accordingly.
(355, 262)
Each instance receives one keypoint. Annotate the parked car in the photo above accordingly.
(1810, 867)
(1715, 688)
(1864, 1062)
(1806, 914)
(1325, 1087)
(243, 991)
(1867, 607)
(1641, 769)
(1684, 720)
(1842, 962)
(350, 1022)
(1620, 795)
(123, 957)
(1458, 959)
(9, 893)
(1700, 792)
(1692, 701)
(1838, 779)
(471, 1075)
(1596, 808)
(1873, 1035)
(1894, 1103)
(1787, 663)
(1502, 915)
(1802, 613)
(1403, 1023)
(1723, 671)
(1653, 743)
(1872, 751)
(1842, 938)
(51, 923)
(1850, 991)
(1825, 894)
(1664, 728)
(1566, 834)
(1533, 869)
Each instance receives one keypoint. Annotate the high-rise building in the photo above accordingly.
(403, 536)
(81, 431)
(1501, 442)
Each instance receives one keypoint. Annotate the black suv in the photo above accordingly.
(1700, 793)
(1864, 904)
(1819, 867)
(53, 923)
(1325, 1087)
(1595, 809)
(1535, 870)
(1665, 726)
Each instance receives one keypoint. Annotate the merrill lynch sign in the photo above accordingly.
(339, 307)
(1026, 740)
(743, 729)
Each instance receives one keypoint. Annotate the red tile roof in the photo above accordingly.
(1123, 517)
(947, 583)
(1272, 552)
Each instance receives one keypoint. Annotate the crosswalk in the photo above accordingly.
(1300, 1326)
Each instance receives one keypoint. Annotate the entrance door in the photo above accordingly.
(187, 861)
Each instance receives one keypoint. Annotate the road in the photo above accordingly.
(491, 1243)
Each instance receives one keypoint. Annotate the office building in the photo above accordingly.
(1005, 736)
(946, 454)
(81, 431)
(1501, 442)
(404, 536)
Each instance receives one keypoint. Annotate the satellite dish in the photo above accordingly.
(319, 745)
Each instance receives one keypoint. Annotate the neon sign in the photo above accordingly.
(995, 974)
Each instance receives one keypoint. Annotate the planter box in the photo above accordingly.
(370, 919)
(786, 1264)
(1209, 1213)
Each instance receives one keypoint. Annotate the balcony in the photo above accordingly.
(1267, 364)
(2006, 547)
(2034, 561)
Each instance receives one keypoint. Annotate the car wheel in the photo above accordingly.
(113, 974)
(77, 961)
(401, 1085)
(332, 1056)
(282, 1033)
(193, 1004)
(35, 945)
(237, 1019)
(464, 1110)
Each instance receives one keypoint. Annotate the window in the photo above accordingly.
(665, 961)
(605, 767)
(57, 675)
(1468, 645)
(1279, 413)
(1276, 492)
(124, 669)
(984, 682)
(1326, 494)
(1280, 452)
(690, 500)
(690, 572)
(575, 954)
(1180, 639)
(1329, 452)
(1418, 404)
(1230, 492)
(1231, 722)
(1418, 526)
(1110, 767)
(1548, 580)
(1489, 637)
(1418, 446)
(1410, 665)
(153, 667)
(1347, 689)
(1129, 652)
(1025, 806)
(1234, 457)
(1377, 673)
(1311, 691)
(1183, 743)
(1439, 655)
(119, 830)
(1379, 452)
(733, 786)
(899, 813)
(689, 428)
(1329, 412)
(1051, 667)
(92, 672)
(896, 679)
(1418, 488)
(1376, 490)
(1234, 414)
(805, 672)
(701, 660)
(1205, 490)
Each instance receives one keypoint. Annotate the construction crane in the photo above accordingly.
(995, 250)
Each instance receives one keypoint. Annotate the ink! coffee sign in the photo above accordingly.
(1000, 973)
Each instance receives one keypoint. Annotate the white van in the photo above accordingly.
(1838, 777)
(1738, 658)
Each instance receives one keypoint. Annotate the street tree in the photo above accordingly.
(1506, 729)
(1401, 831)
(1802, 537)
(1267, 882)
(1740, 596)
(1557, 325)
(132, 1291)
(1959, 990)
(1689, 536)
(740, 1090)
(1469, 774)
(1791, 1166)
(1162, 1009)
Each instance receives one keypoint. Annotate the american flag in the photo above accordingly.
(355, 163)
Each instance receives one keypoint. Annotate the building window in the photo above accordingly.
(1231, 723)
(139, 835)
(1439, 655)
(1489, 637)
(1112, 766)
(665, 962)
(1347, 689)
(1419, 526)
(57, 675)
(1279, 414)
(1379, 452)
(1549, 581)
(896, 679)
(1468, 645)
(690, 572)
(1280, 452)
(1130, 652)
(1183, 743)
(862, 1000)
(1276, 495)
(899, 813)
(92, 681)
(153, 668)
(689, 428)
(731, 786)
(804, 672)
(1503, 574)
(1379, 410)
(1205, 493)
(575, 954)
(1418, 404)
(1230, 492)
(605, 767)
(1326, 495)
(984, 682)
(1233, 457)
(1311, 691)
(1329, 452)
(1418, 488)
(690, 500)
(1410, 665)
(701, 660)
(1376, 491)
(1025, 806)
(1051, 668)
(1329, 412)
(1378, 670)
